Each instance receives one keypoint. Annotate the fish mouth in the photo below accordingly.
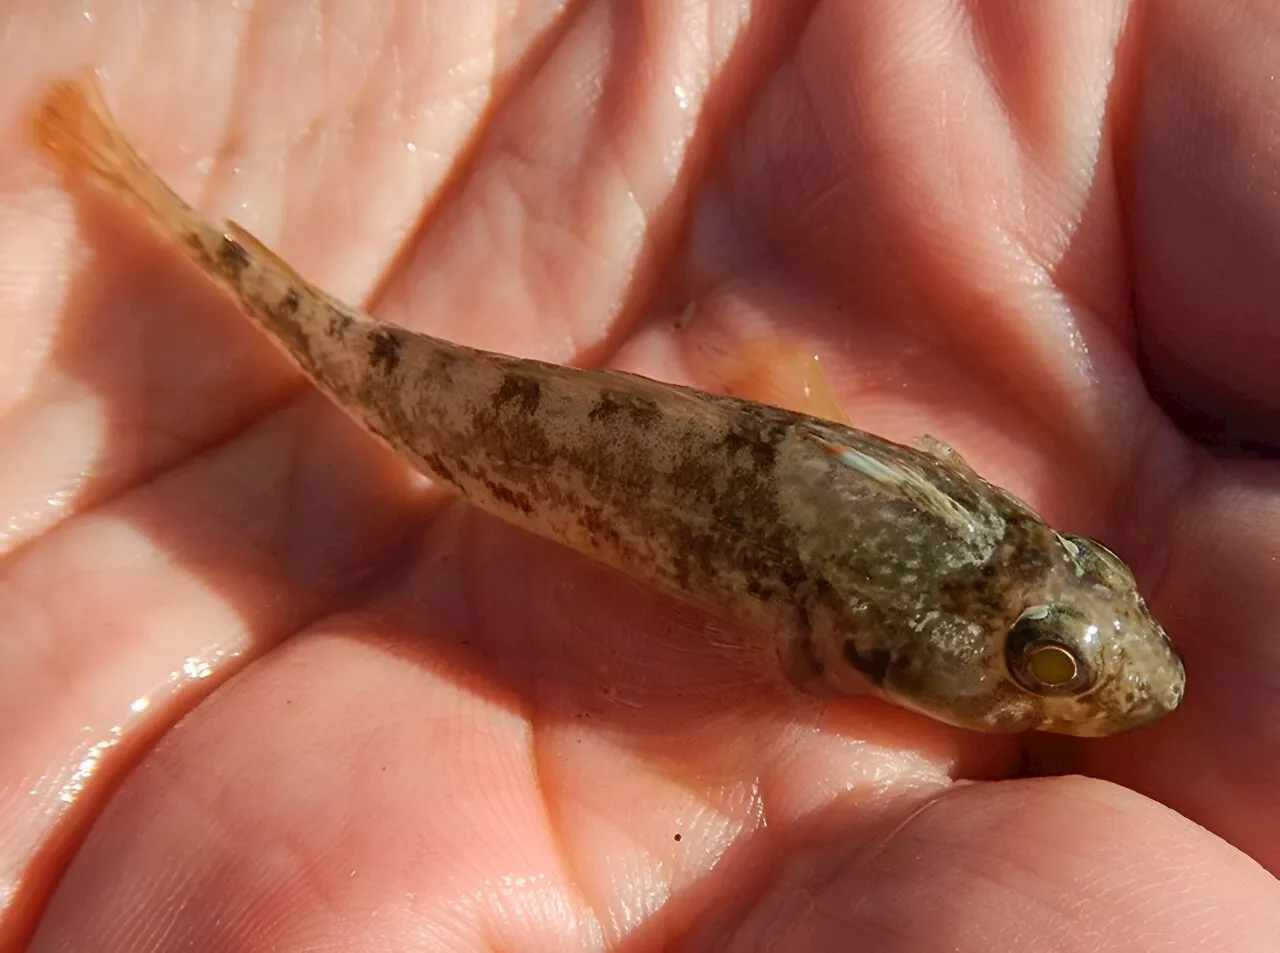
(1126, 703)
(1109, 723)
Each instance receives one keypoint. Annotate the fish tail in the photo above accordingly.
(342, 350)
(74, 126)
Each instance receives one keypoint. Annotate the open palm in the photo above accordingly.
(263, 688)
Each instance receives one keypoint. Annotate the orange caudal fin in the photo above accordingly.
(73, 125)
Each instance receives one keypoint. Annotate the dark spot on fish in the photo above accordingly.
(764, 455)
(644, 411)
(695, 473)
(339, 322)
(287, 306)
(443, 360)
(523, 391)
(1019, 564)
(233, 258)
(971, 595)
(704, 548)
(874, 665)
(601, 530)
(746, 538)
(438, 467)
(793, 578)
(468, 467)
(385, 352)
(513, 498)
(193, 242)
(640, 410)
(517, 446)
(606, 406)
(757, 434)
(757, 589)
(1029, 561)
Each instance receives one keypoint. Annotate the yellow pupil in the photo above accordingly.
(1052, 665)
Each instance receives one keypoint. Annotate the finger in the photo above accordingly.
(1067, 864)
(1204, 216)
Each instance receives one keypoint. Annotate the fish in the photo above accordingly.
(864, 565)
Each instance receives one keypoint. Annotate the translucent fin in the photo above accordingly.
(777, 371)
(902, 480)
(74, 126)
(944, 453)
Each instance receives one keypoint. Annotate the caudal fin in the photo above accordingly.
(74, 126)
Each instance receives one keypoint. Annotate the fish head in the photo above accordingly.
(1088, 649)
(1067, 647)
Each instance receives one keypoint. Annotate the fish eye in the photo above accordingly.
(1048, 651)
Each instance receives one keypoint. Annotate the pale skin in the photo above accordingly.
(405, 725)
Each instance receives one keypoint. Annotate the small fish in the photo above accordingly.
(868, 565)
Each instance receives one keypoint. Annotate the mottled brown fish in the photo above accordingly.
(870, 565)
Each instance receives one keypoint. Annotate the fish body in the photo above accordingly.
(869, 564)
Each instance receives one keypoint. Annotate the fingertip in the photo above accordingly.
(1069, 864)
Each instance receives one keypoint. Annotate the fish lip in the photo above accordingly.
(1113, 724)
(1155, 706)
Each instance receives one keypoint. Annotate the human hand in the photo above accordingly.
(266, 689)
